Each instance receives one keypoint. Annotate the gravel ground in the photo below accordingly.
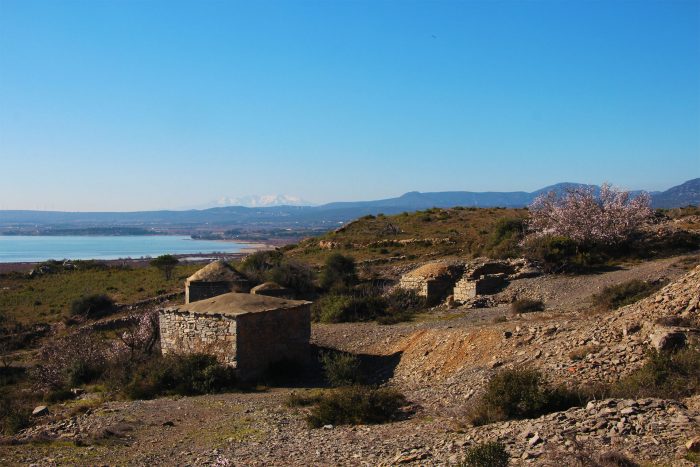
(440, 362)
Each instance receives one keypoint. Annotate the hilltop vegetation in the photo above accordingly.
(420, 235)
(466, 233)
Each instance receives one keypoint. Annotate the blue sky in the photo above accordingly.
(126, 105)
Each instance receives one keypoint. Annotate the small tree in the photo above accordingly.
(608, 218)
(166, 263)
(339, 271)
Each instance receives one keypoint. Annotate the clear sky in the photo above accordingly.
(129, 105)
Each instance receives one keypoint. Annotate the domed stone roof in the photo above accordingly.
(233, 304)
(216, 271)
(430, 271)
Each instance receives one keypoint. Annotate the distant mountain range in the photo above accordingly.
(291, 217)
(258, 201)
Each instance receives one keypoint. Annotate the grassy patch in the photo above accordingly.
(626, 293)
(48, 297)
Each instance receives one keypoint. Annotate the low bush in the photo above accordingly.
(366, 303)
(626, 293)
(401, 305)
(335, 308)
(185, 375)
(340, 368)
(526, 305)
(256, 265)
(92, 306)
(554, 254)
(666, 375)
(355, 405)
(339, 271)
(506, 238)
(14, 416)
(491, 454)
(294, 275)
(520, 393)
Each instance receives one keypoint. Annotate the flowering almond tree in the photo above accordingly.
(609, 218)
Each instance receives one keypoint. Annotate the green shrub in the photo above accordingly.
(520, 393)
(340, 368)
(339, 271)
(354, 405)
(83, 371)
(14, 416)
(335, 308)
(666, 375)
(92, 306)
(401, 305)
(554, 254)
(491, 454)
(616, 296)
(185, 375)
(256, 265)
(526, 305)
(294, 275)
(506, 237)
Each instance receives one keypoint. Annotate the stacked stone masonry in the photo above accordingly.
(247, 340)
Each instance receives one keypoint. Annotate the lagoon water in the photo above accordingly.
(15, 249)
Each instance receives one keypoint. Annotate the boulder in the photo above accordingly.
(693, 445)
(668, 339)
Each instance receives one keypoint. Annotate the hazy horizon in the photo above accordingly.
(125, 106)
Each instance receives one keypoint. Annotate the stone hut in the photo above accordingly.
(271, 289)
(433, 281)
(485, 276)
(214, 279)
(246, 331)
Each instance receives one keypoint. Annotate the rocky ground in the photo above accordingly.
(439, 362)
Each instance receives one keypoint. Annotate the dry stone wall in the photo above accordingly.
(193, 333)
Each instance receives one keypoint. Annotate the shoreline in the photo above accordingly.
(248, 248)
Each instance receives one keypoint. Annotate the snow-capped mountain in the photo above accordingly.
(259, 201)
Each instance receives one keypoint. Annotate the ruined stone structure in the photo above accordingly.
(246, 331)
(467, 288)
(214, 279)
(433, 281)
(271, 289)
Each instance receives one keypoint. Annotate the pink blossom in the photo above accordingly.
(579, 214)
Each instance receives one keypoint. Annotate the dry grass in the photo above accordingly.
(49, 297)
